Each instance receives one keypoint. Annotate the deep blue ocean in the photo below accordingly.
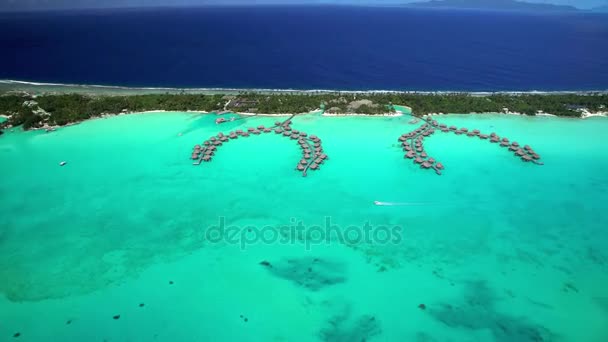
(357, 48)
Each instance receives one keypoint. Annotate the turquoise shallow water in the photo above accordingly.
(496, 249)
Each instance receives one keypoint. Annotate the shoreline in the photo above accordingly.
(585, 114)
(60, 88)
(70, 108)
(357, 114)
(49, 128)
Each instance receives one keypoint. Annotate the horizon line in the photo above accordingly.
(412, 5)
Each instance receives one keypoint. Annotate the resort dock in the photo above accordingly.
(412, 143)
(310, 145)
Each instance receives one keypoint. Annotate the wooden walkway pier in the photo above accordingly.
(311, 145)
(412, 143)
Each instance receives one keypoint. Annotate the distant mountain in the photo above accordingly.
(509, 5)
(602, 9)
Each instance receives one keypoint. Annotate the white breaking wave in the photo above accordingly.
(290, 90)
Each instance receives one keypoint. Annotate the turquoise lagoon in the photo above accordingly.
(495, 249)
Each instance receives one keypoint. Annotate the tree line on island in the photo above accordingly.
(32, 111)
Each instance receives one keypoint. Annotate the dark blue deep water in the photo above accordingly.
(308, 48)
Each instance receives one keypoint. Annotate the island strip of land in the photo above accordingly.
(49, 110)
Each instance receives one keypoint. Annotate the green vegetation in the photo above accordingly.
(37, 111)
(32, 112)
(559, 104)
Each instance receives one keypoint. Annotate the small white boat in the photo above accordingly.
(63, 163)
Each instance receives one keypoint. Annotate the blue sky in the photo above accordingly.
(62, 4)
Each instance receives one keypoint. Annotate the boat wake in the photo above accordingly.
(398, 203)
